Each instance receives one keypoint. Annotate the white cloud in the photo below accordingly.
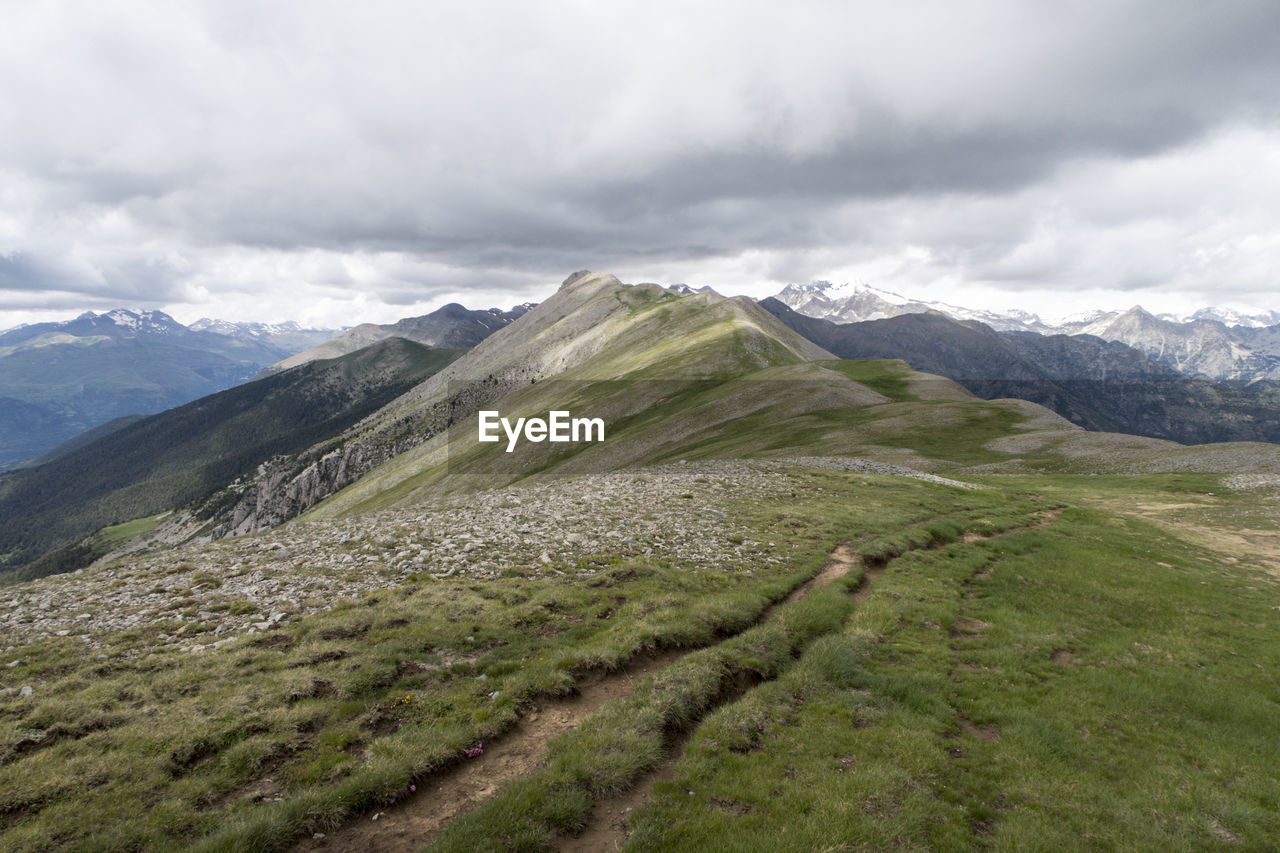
(358, 161)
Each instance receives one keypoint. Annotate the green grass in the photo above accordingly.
(889, 378)
(606, 752)
(1051, 689)
(118, 534)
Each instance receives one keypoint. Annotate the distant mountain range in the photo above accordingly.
(1100, 385)
(286, 336)
(156, 463)
(59, 379)
(1213, 343)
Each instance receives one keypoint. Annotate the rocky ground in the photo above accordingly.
(198, 598)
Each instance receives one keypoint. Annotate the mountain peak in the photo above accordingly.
(576, 278)
(123, 317)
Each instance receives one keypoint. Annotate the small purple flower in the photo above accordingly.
(476, 751)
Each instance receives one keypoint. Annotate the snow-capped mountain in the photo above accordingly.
(1230, 317)
(289, 336)
(856, 303)
(226, 327)
(1216, 343)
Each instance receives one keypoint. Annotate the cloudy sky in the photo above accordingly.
(342, 162)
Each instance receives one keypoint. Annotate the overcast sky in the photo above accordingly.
(345, 162)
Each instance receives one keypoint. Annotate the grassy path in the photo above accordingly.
(335, 717)
(608, 825)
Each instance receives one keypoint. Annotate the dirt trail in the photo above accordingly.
(1046, 516)
(607, 824)
(840, 562)
(412, 822)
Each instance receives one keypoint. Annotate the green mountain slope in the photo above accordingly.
(166, 460)
(593, 330)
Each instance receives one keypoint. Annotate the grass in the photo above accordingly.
(889, 378)
(606, 752)
(118, 534)
(1050, 689)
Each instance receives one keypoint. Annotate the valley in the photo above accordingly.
(790, 602)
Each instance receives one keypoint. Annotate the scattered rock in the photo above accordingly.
(308, 567)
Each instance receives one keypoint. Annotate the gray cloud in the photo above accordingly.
(389, 155)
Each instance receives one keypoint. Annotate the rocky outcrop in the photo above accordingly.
(286, 486)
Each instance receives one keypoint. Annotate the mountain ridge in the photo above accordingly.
(451, 326)
(163, 461)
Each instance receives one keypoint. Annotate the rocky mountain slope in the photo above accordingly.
(450, 327)
(60, 379)
(1212, 343)
(1202, 346)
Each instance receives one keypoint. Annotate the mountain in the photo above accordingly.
(673, 372)
(1231, 317)
(1097, 384)
(60, 379)
(1197, 347)
(680, 373)
(265, 451)
(855, 303)
(161, 462)
(632, 344)
(788, 602)
(451, 327)
(1212, 343)
(89, 436)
